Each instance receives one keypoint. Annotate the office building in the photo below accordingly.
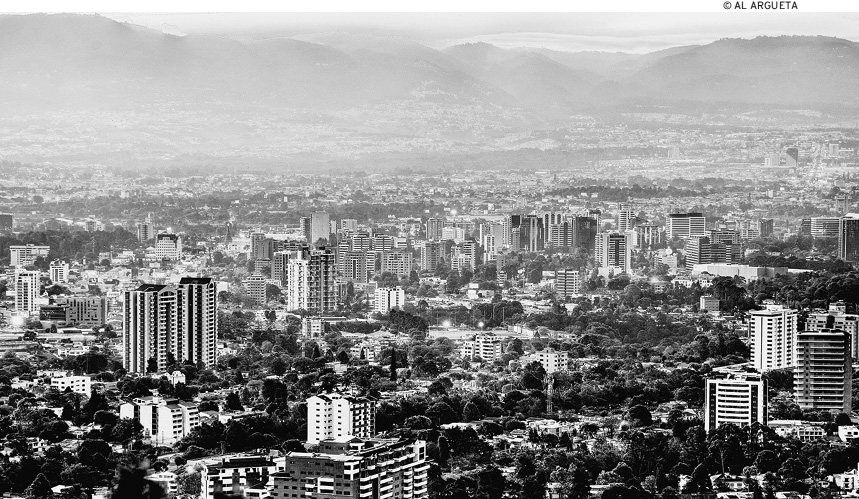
(430, 255)
(233, 476)
(625, 217)
(304, 225)
(683, 225)
(334, 415)
(168, 247)
(648, 236)
(848, 237)
(355, 468)
(320, 227)
(822, 378)
(165, 421)
(568, 283)
(24, 255)
(388, 298)
(434, 228)
(311, 281)
(484, 346)
(58, 272)
(84, 311)
(825, 227)
(260, 247)
(397, 262)
(552, 360)
(26, 291)
(254, 285)
(773, 338)
(615, 251)
(349, 224)
(734, 396)
(356, 266)
(145, 230)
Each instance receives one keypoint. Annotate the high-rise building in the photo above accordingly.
(615, 251)
(383, 242)
(349, 224)
(585, 231)
(734, 396)
(280, 267)
(486, 346)
(388, 298)
(163, 323)
(773, 338)
(24, 255)
(434, 228)
(304, 224)
(198, 320)
(355, 265)
(150, 327)
(168, 247)
(823, 227)
(552, 360)
(822, 378)
(647, 236)
(430, 255)
(397, 262)
(311, 281)
(356, 468)
(836, 319)
(260, 247)
(568, 283)
(145, 231)
(26, 291)
(848, 237)
(320, 227)
(625, 217)
(792, 157)
(685, 225)
(255, 287)
(58, 272)
(334, 415)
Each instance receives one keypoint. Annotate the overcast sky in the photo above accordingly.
(624, 32)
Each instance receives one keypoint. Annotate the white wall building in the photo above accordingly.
(165, 421)
(552, 360)
(735, 397)
(26, 291)
(334, 415)
(773, 336)
(388, 298)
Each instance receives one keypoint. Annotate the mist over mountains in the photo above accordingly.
(83, 60)
(82, 88)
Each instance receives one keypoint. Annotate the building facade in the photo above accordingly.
(334, 415)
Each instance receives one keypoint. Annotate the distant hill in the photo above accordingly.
(91, 61)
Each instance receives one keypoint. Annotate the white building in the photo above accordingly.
(486, 346)
(26, 291)
(59, 272)
(334, 415)
(388, 298)
(165, 421)
(568, 283)
(168, 247)
(23, 255)
(235, 474)
(735, 397)
(552, 360)
(255, 287)
(77, 384)
(773, 336)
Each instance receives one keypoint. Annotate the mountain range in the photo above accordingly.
(88, 61)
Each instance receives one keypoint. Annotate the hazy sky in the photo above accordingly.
(626, 32)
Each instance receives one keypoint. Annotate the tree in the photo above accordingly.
(471, 412)
(39, 489)
(393, 372)
(639, 415)
(151, 365)
(189, 484)
(443, 450)
(131, 483)
(233, 403)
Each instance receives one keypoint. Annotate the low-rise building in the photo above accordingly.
(165, 420)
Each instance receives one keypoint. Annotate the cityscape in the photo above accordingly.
(319, 263)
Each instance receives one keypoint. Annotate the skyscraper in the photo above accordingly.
(150, 327)
(320, 227)
(625, 216)
(773, 338)
(848, 237)
(260, 247)
(430, 255)
(311, 281)
(161, 321)
(822, 379)
(198, 320)
(26, 291)
(434, 227)
(685, 225)
(615, 251)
